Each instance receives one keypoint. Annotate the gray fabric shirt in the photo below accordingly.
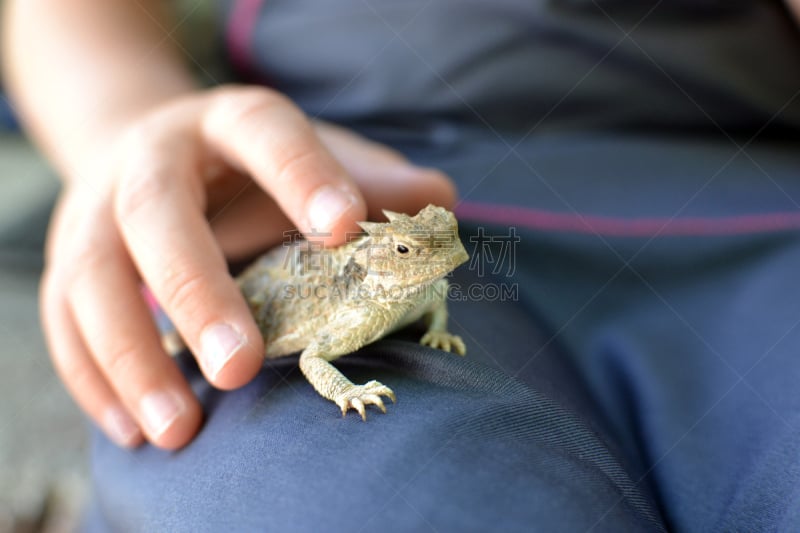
(552, 65)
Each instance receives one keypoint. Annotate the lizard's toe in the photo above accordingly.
(375, 400)
(379, 389)
(458, 344)
(358, 405)
(443, 340)
(359, 396)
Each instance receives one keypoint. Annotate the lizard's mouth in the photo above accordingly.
(453, 261)
(456, 259)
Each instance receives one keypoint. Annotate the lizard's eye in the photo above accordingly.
(402, 248)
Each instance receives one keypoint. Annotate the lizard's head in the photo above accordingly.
(409, 251)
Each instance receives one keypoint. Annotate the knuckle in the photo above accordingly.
(181, 288)
(140, 138)
(81, 272)
(139, 134)
(145, 160)
(243, 99)
(293, 166)
(248, 109)
(141, 184)
(120, 360)
(80, 378)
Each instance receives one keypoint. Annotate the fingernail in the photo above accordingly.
(159, 410)
(218, 344)
(120, 426)
(327, 205)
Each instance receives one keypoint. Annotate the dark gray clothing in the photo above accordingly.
(649, 65)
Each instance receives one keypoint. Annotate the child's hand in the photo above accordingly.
(165, 206)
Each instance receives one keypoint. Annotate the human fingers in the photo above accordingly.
(78, 371)
(264, 134)
(119, 333)
(101, 337)
(159, 209)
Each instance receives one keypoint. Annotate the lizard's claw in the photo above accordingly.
(443, 340)
(359, 396)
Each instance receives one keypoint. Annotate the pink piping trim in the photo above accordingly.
(151, 301)
(539, 219)
(241, 26)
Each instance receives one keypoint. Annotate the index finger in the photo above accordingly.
(265, 134)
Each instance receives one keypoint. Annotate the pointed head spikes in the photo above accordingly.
(431, 218)
(372, 227)
(391, 216)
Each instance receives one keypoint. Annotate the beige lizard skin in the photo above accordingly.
(327, 303)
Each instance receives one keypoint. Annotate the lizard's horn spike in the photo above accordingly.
(391, 215)
(371, 227)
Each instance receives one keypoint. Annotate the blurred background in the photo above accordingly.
(44, 475)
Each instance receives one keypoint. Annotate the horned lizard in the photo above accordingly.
(328, 302)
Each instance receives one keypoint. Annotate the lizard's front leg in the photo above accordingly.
(437, 335)
(332, 384)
